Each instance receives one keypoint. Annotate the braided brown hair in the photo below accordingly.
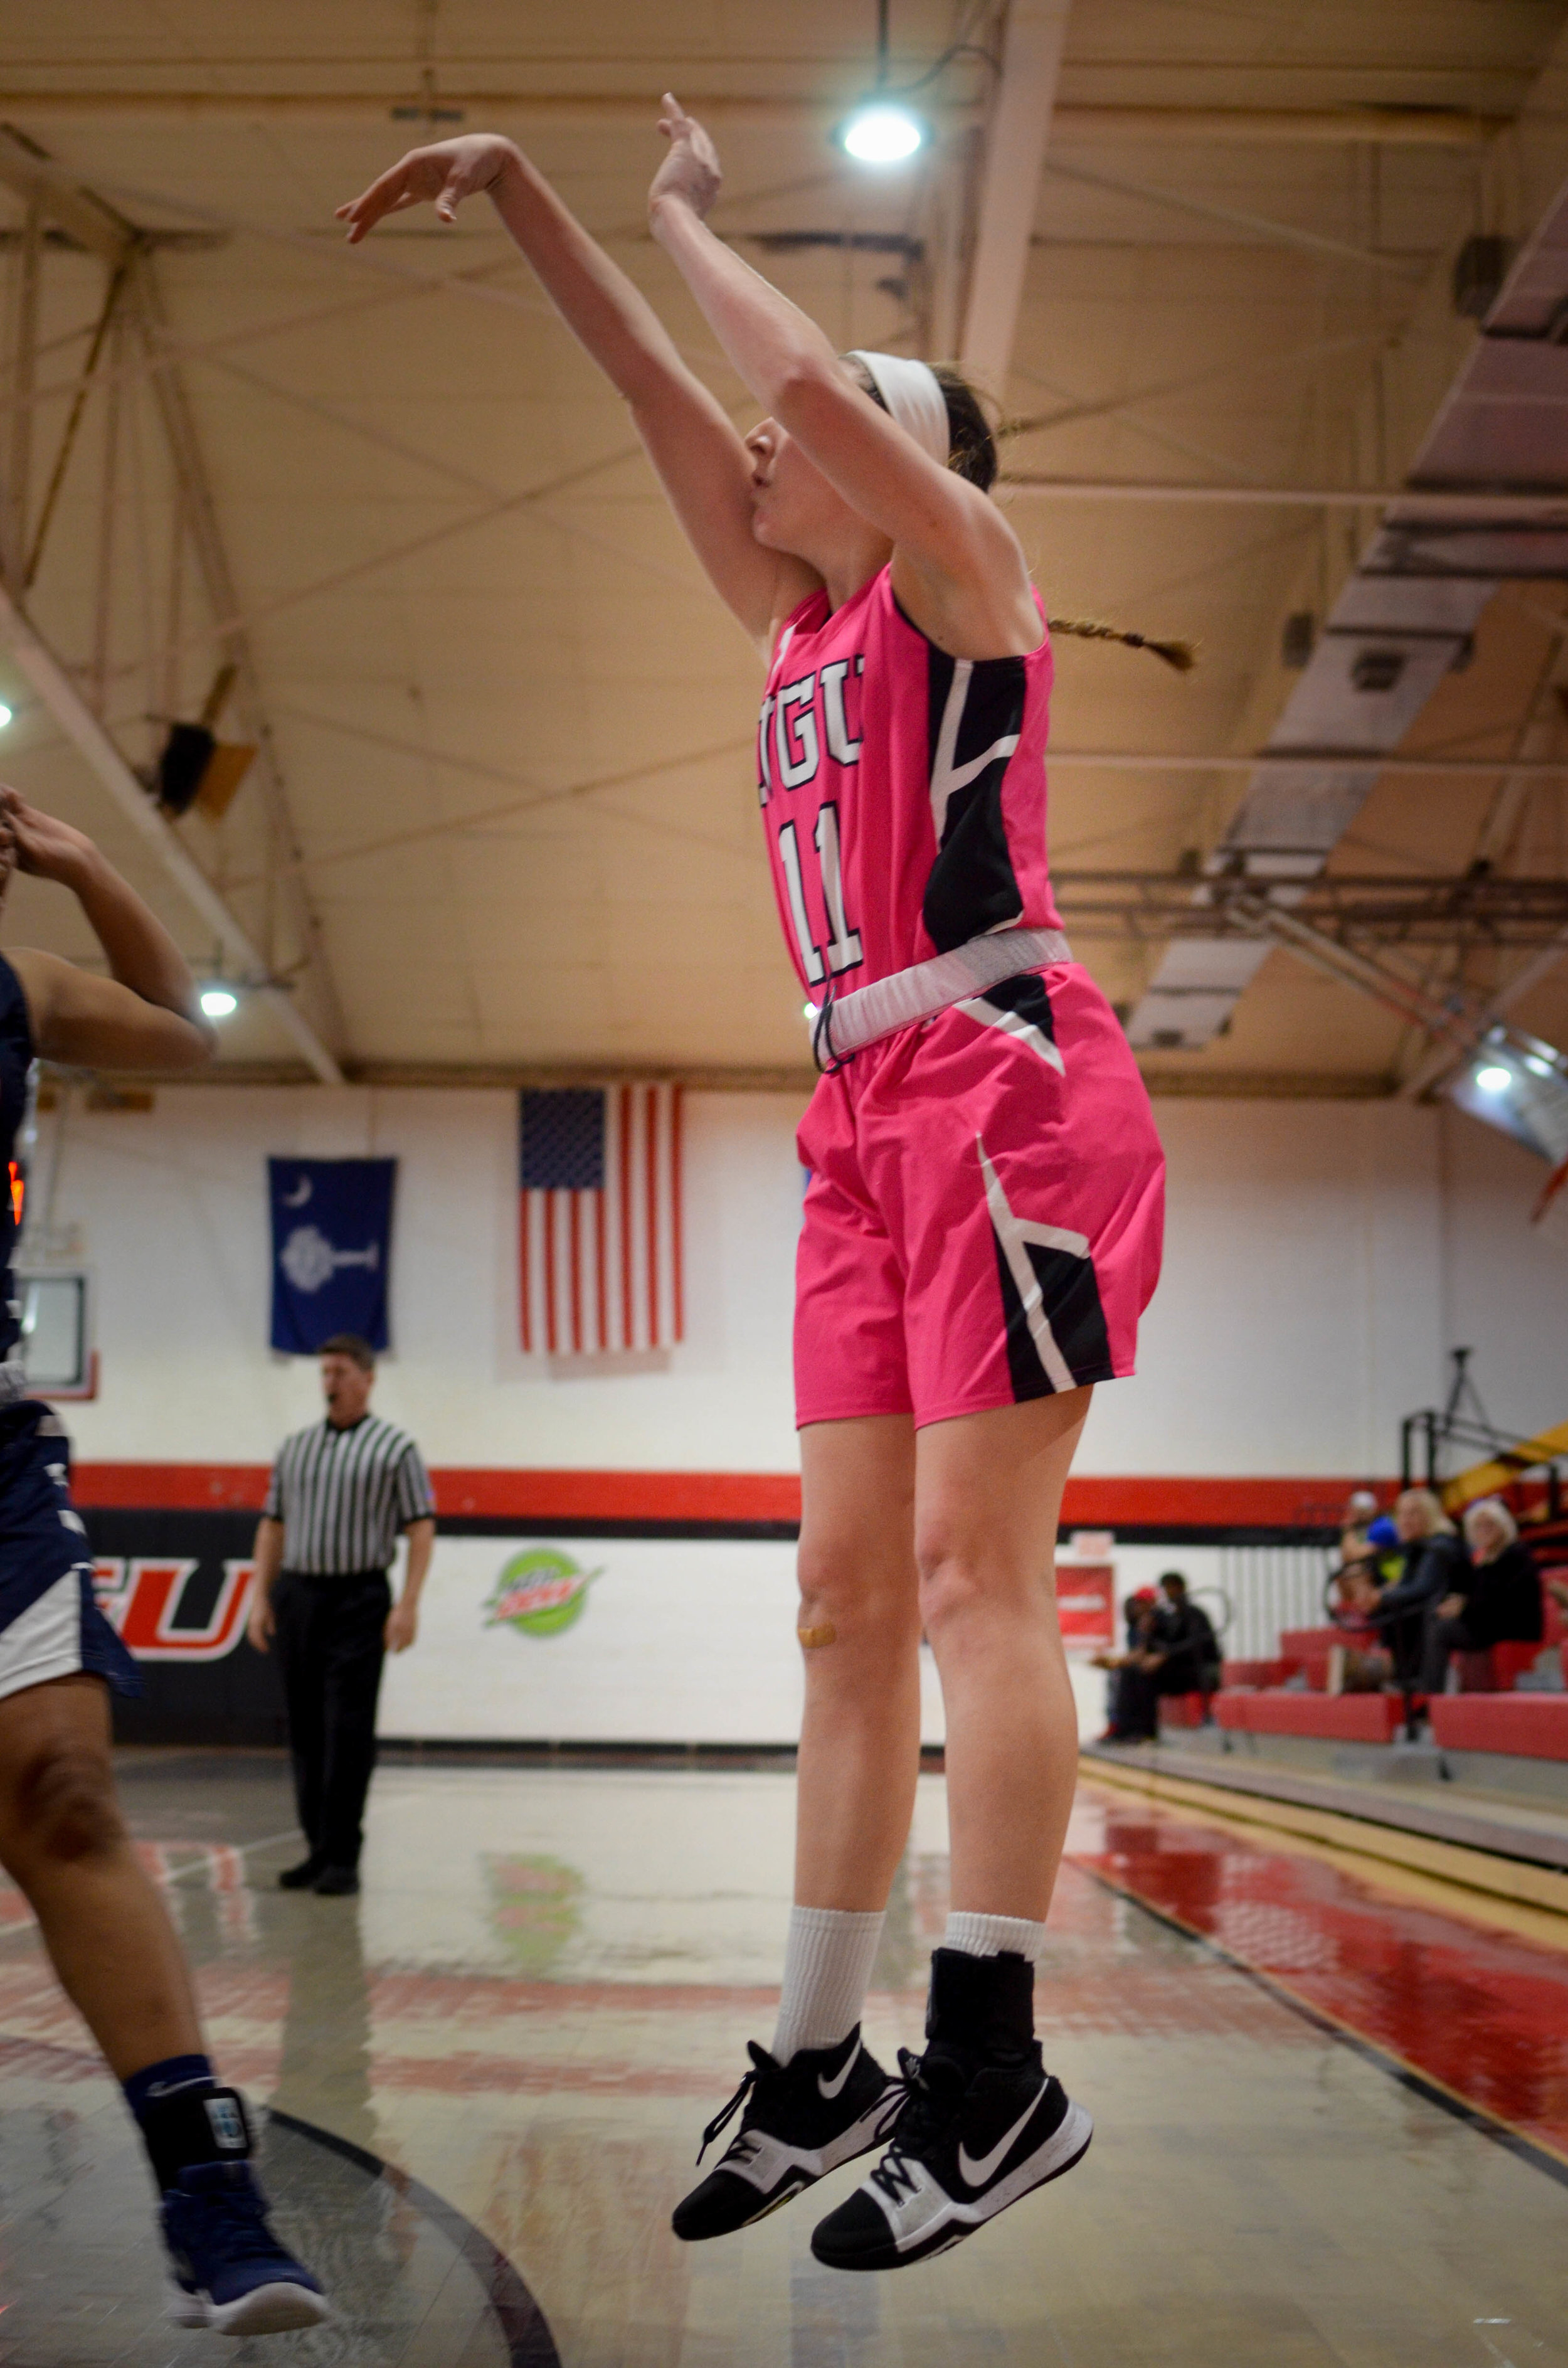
(1180, 655)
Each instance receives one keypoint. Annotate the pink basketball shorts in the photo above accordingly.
(983, 1218)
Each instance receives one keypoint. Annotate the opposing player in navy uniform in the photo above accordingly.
(63, 1840)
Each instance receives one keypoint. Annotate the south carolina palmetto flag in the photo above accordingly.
(599, 1248)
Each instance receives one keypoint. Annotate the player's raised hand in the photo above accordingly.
(40, 843)
(691, 171)
(445, 174)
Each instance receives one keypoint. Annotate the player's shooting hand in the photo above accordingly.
(690, 172)
(40, 843)
(445, 173)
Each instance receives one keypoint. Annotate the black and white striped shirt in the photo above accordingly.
(343, 1495)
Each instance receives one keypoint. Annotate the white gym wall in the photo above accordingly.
(1322, 1257)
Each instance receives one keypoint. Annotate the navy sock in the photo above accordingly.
(158, 2080)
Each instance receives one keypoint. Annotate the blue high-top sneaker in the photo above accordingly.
(230, 2273)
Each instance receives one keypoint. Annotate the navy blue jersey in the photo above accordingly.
(16, 1069)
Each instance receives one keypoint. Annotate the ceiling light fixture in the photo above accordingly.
(1494, 1078)
(882, 130)
(218, 1002)
(5, 715)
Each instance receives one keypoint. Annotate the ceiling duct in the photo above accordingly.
(1403, 620)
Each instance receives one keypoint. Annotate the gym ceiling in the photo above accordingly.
(372, 516)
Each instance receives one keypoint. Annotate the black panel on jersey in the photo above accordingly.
(1072, 1300)
(15, 1060)
(1026, 997)
(972, 887)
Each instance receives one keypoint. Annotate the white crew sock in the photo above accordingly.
(994, 1936)
(827, 1963)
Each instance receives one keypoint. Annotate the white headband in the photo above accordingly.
(911, 395)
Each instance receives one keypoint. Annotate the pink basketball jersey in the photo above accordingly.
(903, 790)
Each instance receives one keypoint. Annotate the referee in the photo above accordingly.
(340, 1493)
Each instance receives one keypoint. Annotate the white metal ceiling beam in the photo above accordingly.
(1032, 39)
(1503, 509)
(81, 726)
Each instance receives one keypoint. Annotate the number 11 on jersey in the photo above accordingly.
(844, 949)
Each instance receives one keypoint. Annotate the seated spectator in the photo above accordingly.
(1179, 1645)
(1384, 1550)
(1138, 1611)
(1360, 1512)
(1432, 1564)
(1497, 1601)
(1359, 1666)
(1185, 1634)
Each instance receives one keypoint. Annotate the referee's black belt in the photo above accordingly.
(334, 1577)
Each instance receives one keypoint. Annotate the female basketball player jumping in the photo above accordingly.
(982, 1223)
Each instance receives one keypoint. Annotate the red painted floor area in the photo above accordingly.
(1482, 2013)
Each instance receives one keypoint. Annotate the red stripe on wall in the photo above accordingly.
(540, 1496)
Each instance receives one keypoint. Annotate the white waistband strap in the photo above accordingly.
(927, 987)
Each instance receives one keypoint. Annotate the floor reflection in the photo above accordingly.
(1482, 2013)
(547, 1987)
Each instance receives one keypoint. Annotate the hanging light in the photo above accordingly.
(5, 715)
(1519, 1084)
(219, 1001)
(882, 131)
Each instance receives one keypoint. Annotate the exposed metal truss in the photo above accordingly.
(1479, 909)
(131, 309)
(1404, 618)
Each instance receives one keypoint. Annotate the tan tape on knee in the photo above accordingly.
(812, 1638)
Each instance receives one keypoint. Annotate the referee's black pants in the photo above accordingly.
(329, 1636)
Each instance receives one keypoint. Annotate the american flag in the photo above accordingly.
(600, 1243)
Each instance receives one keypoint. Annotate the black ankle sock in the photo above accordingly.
(186, 2117)
(981, 2009)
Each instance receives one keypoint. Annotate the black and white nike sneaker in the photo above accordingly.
(983, 2123)
(799, 2121)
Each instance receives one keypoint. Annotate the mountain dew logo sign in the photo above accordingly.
(540, 1592)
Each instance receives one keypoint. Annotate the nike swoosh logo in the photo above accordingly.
(835, 2088)
(976, 2173)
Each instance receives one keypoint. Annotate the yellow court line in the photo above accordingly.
(1530, 1902)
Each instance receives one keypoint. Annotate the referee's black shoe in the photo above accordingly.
(300, 1877)
(801, 2120)
(336, 1882)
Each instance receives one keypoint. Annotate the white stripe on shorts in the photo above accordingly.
(44, 1640)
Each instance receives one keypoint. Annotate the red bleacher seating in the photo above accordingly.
(1181, 1710)
(1306, 1650)
(1498, 1669)
(1337, 1718)
(1253, 1673)
(1532, 1726)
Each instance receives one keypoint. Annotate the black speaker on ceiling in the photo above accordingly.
(187, 754)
